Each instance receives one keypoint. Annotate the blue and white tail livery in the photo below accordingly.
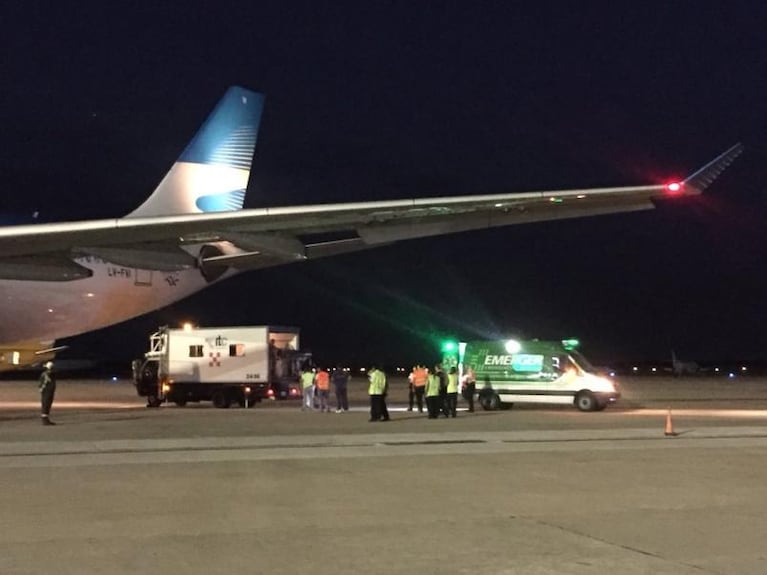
(211, 175)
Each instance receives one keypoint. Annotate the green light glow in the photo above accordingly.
(449, 345)
(571, 343)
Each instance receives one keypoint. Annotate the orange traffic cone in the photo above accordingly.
(669, 431)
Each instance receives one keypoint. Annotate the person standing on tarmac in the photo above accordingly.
(340, 381)
(322, 379)
(470, 386)
(47, 391)
(307, 389)
(410, 389)
(377, 393)
(418, 383)
(452, 391)
(432, 394)
(442, 389)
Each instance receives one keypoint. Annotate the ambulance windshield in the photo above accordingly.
(578, 359)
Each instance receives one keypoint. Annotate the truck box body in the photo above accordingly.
(222, 364)
(509, 371)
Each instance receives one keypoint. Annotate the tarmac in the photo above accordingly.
(119, 488)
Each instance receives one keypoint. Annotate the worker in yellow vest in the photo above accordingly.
(452, 391)
(432, 391)
(377, 393)
(307, 389)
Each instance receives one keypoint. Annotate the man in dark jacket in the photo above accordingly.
(47, 391)
(340, 381)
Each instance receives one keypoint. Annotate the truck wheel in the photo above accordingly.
(585, 401)
(152, 400)
(220, 400)
(490, 401)
(181, 402)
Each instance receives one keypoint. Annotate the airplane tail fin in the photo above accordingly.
(211, 175)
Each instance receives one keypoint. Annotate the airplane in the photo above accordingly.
(63, 279)
(680, 368)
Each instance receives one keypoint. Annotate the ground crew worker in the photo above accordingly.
(432, 395)
(469, 386)
(452, 391)
(47, 391)
(442, 388)
(307, 388)
(340, 382)
(377, 393)
(410, 390)
(322, 381)
(420, 375)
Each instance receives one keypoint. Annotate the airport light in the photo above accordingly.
(512, 346)
(449, 346)
(674, 187)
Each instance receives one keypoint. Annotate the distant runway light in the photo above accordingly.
(635, 368)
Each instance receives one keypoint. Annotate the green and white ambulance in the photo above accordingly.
(512, 371)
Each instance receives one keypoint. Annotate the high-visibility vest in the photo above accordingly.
(452, 383)
(307, 379)
(377, 382)
(420, 376)
(432, 385)
(322, 380)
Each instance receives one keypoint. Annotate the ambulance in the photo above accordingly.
(225, 365)
(534, 371)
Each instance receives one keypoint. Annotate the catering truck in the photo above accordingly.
(511, 371)
(224, 365)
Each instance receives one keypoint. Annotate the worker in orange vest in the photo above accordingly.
(418, 379)
(322, 381)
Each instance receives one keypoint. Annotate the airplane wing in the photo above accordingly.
(257, 238)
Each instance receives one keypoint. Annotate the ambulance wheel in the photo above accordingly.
(220, 400)
(153, 401)
(490, 401)
(585, 401)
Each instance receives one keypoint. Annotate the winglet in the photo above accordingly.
(703, 178)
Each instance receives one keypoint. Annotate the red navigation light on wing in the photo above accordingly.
(674, 187)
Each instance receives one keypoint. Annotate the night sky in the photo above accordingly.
(381, 100)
